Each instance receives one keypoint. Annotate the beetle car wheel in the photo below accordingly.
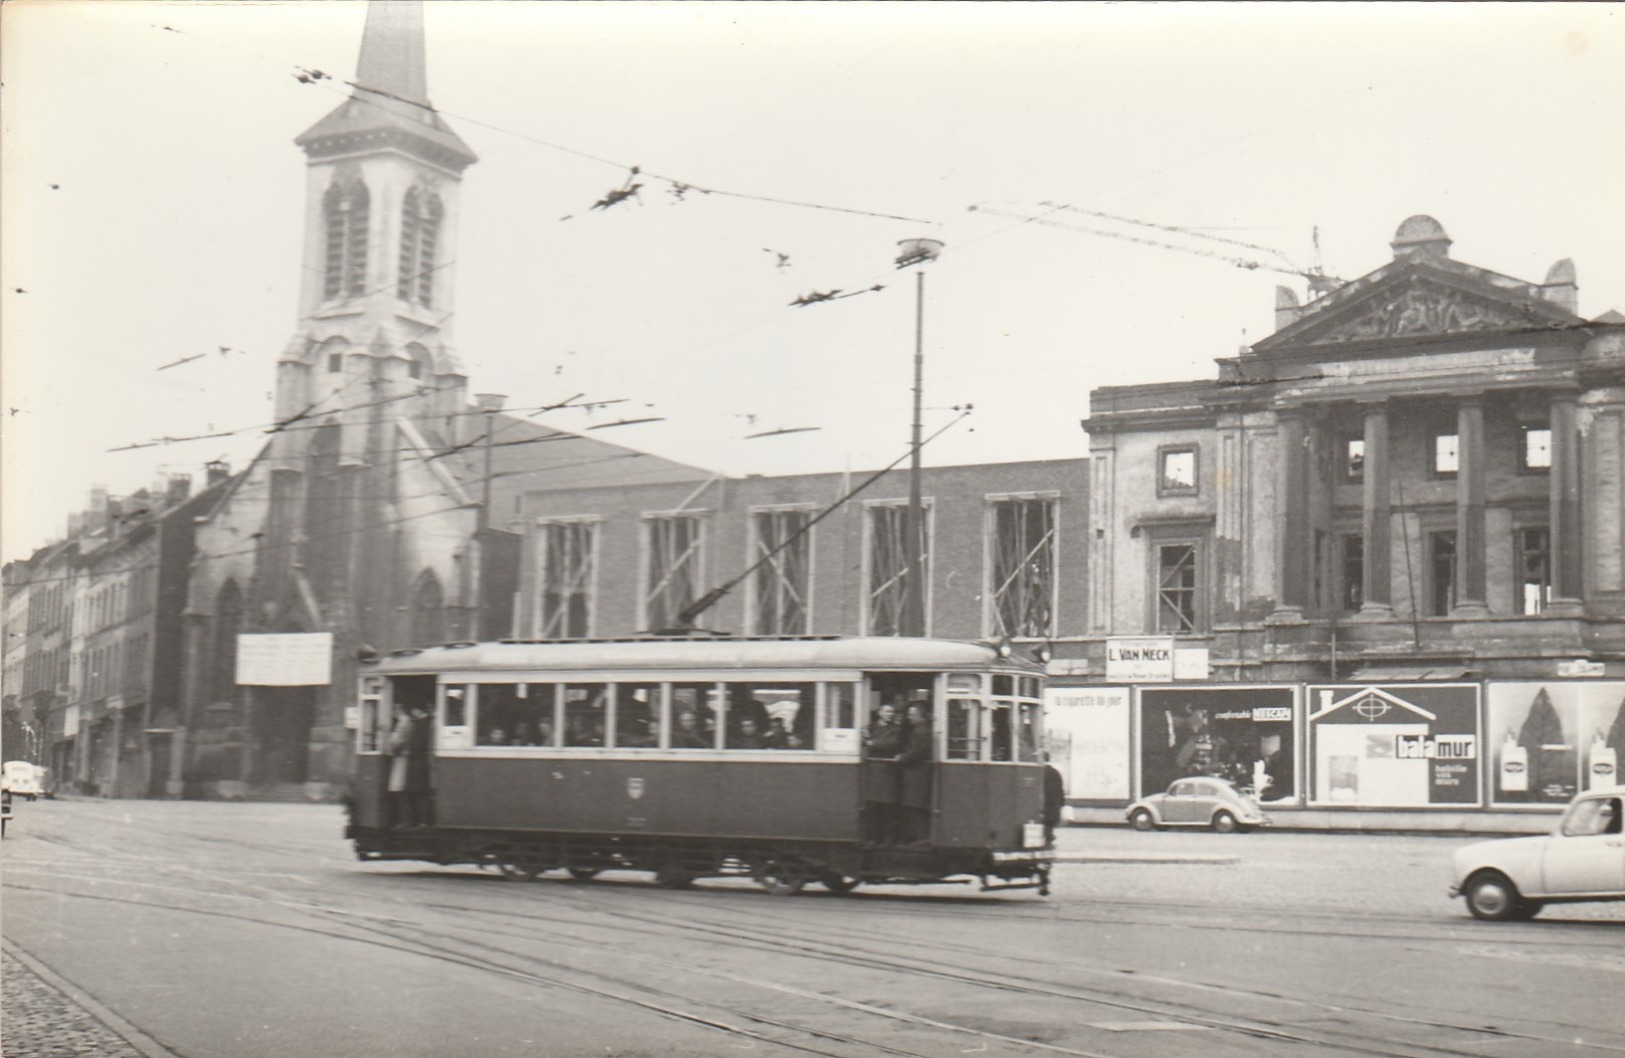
(583, 874)
(838, 883)
(1225, 823)
(780, 879)
(1143, 820)
(1492, 897)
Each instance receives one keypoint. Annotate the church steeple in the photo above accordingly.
(392, 51)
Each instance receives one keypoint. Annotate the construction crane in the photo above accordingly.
(1319, 282)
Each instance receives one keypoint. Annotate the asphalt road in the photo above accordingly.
(206, 929)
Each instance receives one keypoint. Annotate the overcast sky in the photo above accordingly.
(153, 201)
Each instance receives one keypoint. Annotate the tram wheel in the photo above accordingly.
(780, 879)
(671, 877)
(839, 884)
(584, 874)
(518, 872)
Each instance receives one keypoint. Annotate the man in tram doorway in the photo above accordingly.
(409, 768)
(915, 762)
(882, 743)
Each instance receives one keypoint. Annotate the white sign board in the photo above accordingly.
(1087, 732)
(1191, 664)
(1581, 667)
(1143, 659)
(301, 659)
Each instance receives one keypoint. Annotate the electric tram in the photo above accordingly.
(694, 757)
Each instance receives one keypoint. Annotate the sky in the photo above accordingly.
(152, 204)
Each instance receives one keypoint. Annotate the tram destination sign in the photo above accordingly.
(1140, 659)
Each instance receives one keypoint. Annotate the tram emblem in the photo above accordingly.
(634, 788)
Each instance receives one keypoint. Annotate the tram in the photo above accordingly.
(696, 757)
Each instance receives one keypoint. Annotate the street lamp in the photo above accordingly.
(912, 252)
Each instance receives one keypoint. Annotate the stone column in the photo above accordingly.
(1292, 484)
(1567, 589)
(1470, 587)
(1377, 584)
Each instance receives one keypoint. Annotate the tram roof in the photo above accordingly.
(807, 652)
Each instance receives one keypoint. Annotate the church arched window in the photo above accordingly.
(428, 610)
(421, 363)
(344, 212)
(421, 213)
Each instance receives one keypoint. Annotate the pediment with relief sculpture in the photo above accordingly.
(1420, 308)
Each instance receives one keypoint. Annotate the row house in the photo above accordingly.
(20, 736)
(1422, 470)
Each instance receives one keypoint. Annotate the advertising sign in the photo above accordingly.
(301, 659)
(1244, 733)
(1548, 741)
(1087, 734)
(1394, 746)
(1142, 659)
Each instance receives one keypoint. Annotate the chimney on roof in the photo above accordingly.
(218, 471)
(1561, 287)
(177, 489)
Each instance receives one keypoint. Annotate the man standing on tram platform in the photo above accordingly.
(915, 763)
(409, 768)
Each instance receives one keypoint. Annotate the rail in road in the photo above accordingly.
(1095, 971)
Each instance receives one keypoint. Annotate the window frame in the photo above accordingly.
(1520, 554)
(539, 614)
(771, 572)
(1524, 432)
(928, 510)
(993, 624)
(647, 586)
(1435, 436)
(1195, 536)
(1163, 487)
(1432, 538)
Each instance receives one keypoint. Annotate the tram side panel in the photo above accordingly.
(812, 801)
(987, 805)
(368, 792)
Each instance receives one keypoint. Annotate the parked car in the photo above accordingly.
(1583, 859)
(1198, 801)
(21, 778)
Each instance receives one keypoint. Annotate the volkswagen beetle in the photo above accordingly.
(1197, 801)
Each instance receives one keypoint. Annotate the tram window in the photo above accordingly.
(586, 722)
(1030, 687)
(999, 715)
(840, 732)
(694, 708)
(369, 718)
(456, 714)
(770, 716)
(509, 714)
(964, 729)
(1027, 732)
(1004, 685)
(637, 714)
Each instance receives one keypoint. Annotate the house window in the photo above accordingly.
(335, 362)
(888, 570)
(1023, 567)
(1536, 449)
(1352, 587)
(421, 213)
(1446, 455)
(1534, 569)
(344, 213)
(1177, 584)
(673, 542)
(779, 589)
(1354, 460)
(428, 611)
(1442, 570)
(1176, 471)
(565, 580)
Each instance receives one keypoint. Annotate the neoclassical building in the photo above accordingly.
(1420, 474)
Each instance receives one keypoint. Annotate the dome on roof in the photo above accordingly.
(1561, 273)
(1420, 236)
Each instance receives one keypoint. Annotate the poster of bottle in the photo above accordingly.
(1086, 730)
(1394, 746)
(1245, 733)
(1550, 740)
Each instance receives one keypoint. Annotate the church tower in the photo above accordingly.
(384, 175)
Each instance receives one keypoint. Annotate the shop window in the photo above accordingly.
(1442, 572)
(779, 589)
(1023, 567)
(1176, 471)
(1536, 450)
(1446, 455)
(1534, 569)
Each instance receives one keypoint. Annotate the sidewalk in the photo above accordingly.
(45, 1017)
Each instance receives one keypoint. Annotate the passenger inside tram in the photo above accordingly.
(689, 734)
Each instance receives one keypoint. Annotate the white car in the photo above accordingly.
(1198, 801)
(21, 778)
(1583, 859)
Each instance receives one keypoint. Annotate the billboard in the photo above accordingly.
(292, 659)
(1394, 746)
(1244, 733)
(1550, 740)
(1086, 730)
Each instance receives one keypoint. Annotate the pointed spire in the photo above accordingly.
(391, 95)
(392, 50)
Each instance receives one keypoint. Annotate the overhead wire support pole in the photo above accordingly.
(911, 621)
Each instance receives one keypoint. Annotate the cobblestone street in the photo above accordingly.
(39, 1020)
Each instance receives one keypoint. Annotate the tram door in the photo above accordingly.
(900, 772)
